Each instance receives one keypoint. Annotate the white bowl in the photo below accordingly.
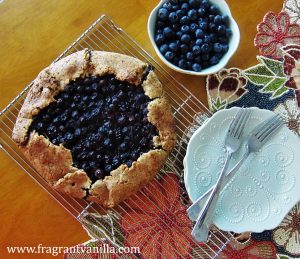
(233, 43)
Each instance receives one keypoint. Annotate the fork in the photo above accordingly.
(233, 141)
(257, 138)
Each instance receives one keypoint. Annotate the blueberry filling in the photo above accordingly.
(102, 120)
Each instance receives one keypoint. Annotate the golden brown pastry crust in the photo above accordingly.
(54, 162)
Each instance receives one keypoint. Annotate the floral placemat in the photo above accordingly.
(274, 84)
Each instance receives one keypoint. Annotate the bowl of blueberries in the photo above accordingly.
(196, 37)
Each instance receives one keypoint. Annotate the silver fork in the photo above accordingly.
(233, 141)
(257, 138)
(251, 146)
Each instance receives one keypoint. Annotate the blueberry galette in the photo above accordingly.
(96, 125)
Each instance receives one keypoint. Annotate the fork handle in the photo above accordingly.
(207, 211)
(194, 210)
(239, 163)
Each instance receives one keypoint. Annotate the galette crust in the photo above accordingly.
(55, 162)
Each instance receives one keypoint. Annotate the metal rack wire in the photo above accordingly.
(105, 35)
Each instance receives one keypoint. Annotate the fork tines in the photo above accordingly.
(237, 126)
(270, 125)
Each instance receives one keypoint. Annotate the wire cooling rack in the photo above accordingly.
(104, 34)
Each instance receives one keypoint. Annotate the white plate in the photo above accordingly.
(265, 188)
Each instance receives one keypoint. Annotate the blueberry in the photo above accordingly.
(205, 4)
(218, 19)
(163, 49)
(106, 142)
(95, 95)
(169, 55)
(168, 33)
(175, 7)
(184, 48)
(186, 38)
(102, 82)
(185, 20)
(180, 13)
(128, 163)
(194, 3)
(196, 67)
(74, 115)
(217, 47)
(174, 2)
(214, 60)
(225, 19)
(173, 18)
(160, 25)
(62, 128)
(199, 34)
(194, 27)
(87, 81)
(213, 9)
(179, 34)
(86, 167)
(123, 146)
(76, 97)
(79, 88)
(185, 7)
(134, 155)
(203, 25)
(211, 18)
(198, 59)
(221, 30)
(212, 27)
(196, 50)
(199, 42)
(201, 12)
(159, 39)
(207, 39)
(228, 33)
(205, 64)
(185, 29)
(163, 14)
(59, 102)
(173, 46)
(94, 86)
(108, 168)
(225, 48)
(192, 14)
(40, 125)
(175, 27)
(131, 116)
(213, 37)
(73, 105)
(189, 64)
(99, 174)
(69, 136)
(121, 119)
(167, 5)
(205, 48)
(120, 95)
(223, 40)
(182, 63)
(189, 56)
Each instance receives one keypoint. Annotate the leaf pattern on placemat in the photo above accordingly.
(269, 73)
